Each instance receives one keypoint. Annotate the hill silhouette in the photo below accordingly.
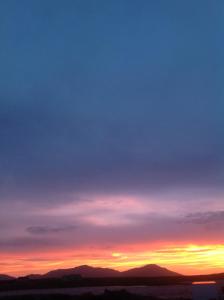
(150, 270)
(84, 271)
(5, 277)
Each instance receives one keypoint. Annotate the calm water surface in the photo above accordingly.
(159, 291)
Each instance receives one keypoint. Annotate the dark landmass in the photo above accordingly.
(84, 271)
(6, 277)
(107, 295)
(149, 271)
(86, 276)
(77, 281)
(32, 276)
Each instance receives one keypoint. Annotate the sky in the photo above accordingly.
(111, 135)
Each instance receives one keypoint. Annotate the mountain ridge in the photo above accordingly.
(84, 271)
(4, 277)
(150, 270)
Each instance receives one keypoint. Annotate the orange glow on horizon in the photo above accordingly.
(186, 259)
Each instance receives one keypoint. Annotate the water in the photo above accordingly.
(168, 291)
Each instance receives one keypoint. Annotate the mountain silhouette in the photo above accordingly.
(6, 277)
(151, 270)
(84, 271)
(91, 272)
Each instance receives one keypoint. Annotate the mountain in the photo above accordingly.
(91, 272)
(149, 271)
(6, 277)
(84, 271)
(30, 276)
(34, 276)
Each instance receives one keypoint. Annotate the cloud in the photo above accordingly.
(131, 111)
(98, 120)
(26, 244)
(206, 217)
(39, 230)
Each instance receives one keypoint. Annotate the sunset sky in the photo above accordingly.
(111, 134)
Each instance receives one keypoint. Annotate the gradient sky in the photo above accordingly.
(111, 134)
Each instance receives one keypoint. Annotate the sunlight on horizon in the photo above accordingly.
(187, 259)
